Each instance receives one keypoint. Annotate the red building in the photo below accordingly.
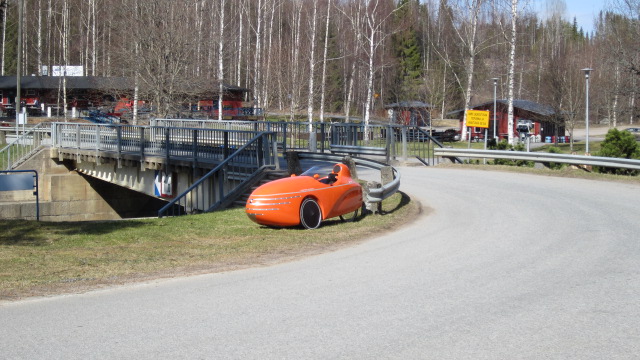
(537, 120)
(82, 91)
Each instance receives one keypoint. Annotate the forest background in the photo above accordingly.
(347, 57)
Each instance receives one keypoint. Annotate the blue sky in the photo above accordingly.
(585, 11)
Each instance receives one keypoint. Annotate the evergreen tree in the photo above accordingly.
(407, 46)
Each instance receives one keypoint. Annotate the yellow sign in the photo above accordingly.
(478, 118)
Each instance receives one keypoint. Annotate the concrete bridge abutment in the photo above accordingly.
(67, 195)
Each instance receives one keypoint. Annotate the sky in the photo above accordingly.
(585, 11)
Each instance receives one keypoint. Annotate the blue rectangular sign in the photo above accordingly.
(17, 182)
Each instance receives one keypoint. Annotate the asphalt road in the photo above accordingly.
(500, 266)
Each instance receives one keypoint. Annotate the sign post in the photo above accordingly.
(480, 119)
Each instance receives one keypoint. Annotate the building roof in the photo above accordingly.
(408, 105)
(73, 82)
(526, 105)
(85, 83)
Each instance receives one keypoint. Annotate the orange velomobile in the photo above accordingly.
(306, 199)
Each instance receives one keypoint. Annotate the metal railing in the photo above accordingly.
(197, 145)
(415, 142)
(541, 157)
(23, 146)
(225, 181)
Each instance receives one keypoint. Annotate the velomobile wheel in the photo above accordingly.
(349, 217)
(310, 214)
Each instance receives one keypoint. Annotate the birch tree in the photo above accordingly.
(324, 62)
(221, 58)
(312, 67)
(512, 66)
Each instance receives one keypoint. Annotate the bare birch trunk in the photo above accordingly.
(39, 40)
(65, 55)
(471, 44)
(296, 60)
(257, 68)
(221, 59)
(312, 65)
(4, 35)
(512, 65)
(324, 62)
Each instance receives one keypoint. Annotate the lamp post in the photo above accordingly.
(495, 85)
(587, 71)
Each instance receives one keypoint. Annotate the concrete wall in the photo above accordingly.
(66, 195)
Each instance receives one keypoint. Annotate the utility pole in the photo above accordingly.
(18, 105)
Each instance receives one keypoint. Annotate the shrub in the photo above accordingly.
(619, 144)
(504, 145)
(554, 165)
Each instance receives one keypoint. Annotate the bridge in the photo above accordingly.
(184, 166)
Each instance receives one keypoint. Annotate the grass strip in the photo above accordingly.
(42, 258)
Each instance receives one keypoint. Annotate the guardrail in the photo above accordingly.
(541, 157)
(374, 195)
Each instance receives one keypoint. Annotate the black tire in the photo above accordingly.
(310, 214)
(350, 217)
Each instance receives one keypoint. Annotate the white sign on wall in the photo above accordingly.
(59, 70)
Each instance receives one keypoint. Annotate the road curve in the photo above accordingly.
(501, 266)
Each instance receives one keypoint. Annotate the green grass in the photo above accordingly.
(39, 258)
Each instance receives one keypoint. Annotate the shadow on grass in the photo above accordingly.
(34, 233)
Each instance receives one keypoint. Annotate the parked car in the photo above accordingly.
(306, 200)
(448, 135)
(634, 131)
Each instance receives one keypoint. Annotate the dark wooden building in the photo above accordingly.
(413, 113)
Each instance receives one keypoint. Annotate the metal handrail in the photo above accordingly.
(193, 198)
(23, 146)
(542, 157)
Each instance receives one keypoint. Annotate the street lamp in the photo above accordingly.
(587, 71)
(495, 85)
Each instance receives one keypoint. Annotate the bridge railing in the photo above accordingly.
(23, 146)
(221, 185)
(401, 141)
(193, 144)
